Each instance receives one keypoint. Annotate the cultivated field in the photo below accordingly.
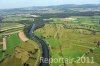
(16, 18)
(86, 22)
(71, 39)
(10, 26)
(21, 51)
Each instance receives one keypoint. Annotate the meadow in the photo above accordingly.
(18, 52)
(86, 22)
(16, 18)
(16, 48)
(12, 41)
(71, 41)
(10, 26)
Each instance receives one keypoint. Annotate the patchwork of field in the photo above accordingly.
(19, 49)
(10, 26)
(12, 41)
(69, 43)
(21, 52)
(70, 37)
(86, 22)
(16, 18)
(10, 44)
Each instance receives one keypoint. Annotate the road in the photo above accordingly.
(45, 50)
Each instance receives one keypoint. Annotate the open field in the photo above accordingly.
(86, 22)
(16, 18)
(11, 61)
(68, 43)
(1, 41)
(10, 26)
(12, 41)
(17, 49)
(65, 33)
(0, 38)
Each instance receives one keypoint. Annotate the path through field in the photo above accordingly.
(4, 43)
(23, 37)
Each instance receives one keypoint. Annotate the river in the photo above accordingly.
(45, 50)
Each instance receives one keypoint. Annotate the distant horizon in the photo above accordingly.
(45, 6)
(11, 4)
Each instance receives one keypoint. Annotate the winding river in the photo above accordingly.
(45, 50)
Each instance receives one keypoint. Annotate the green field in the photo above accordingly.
(10, 26)
(0, 38)
(16, 18)
(86, 22)
(17, 51)
(70, 42)
(69, 37)
(12, 41)
(1, 54)
(16, 48)
(1, 48)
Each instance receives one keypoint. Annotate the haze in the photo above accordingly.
(6, 4)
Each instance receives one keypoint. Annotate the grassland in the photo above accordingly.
(86, 22)
(13, 61)
(18, 52)
(29, 52)
(68, 39)
(10, 26)
(16, 18)
(0, 38)
(1, 48)
(12, 41)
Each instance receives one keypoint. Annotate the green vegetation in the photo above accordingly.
(0, 38)
(1, 54)
(1, 48)
(18, 52)
(85, 22)
(12, 61)
(71, 38)
(10, 26)
(16, 18)
(29, 52)
(52, 41)
(12, 41)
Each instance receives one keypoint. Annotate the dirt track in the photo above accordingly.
(22, 36)
(4, 43)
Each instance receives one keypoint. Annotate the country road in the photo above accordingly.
(45, 50)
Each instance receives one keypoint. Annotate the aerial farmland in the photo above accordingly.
(62, 33)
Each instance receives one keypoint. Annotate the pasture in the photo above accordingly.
(12, 41)
(10, 26)
(20, 49)
(86, 22)
(16, 18)
(68, 43)
(29, 52)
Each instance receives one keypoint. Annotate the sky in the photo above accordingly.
(6, 4)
